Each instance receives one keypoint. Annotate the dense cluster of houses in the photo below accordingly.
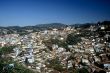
(92, 52)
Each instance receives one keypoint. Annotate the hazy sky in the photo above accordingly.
(32, 12)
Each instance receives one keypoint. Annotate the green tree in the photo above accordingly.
(73, 39)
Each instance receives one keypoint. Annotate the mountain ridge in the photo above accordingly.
(40, 27)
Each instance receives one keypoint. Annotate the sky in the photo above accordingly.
(32, 12)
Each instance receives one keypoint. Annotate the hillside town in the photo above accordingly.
(66, 50)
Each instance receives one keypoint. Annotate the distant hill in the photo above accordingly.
(40, 27)
(85, 25)
(106, 24)
(24, 30)
(51, 25)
